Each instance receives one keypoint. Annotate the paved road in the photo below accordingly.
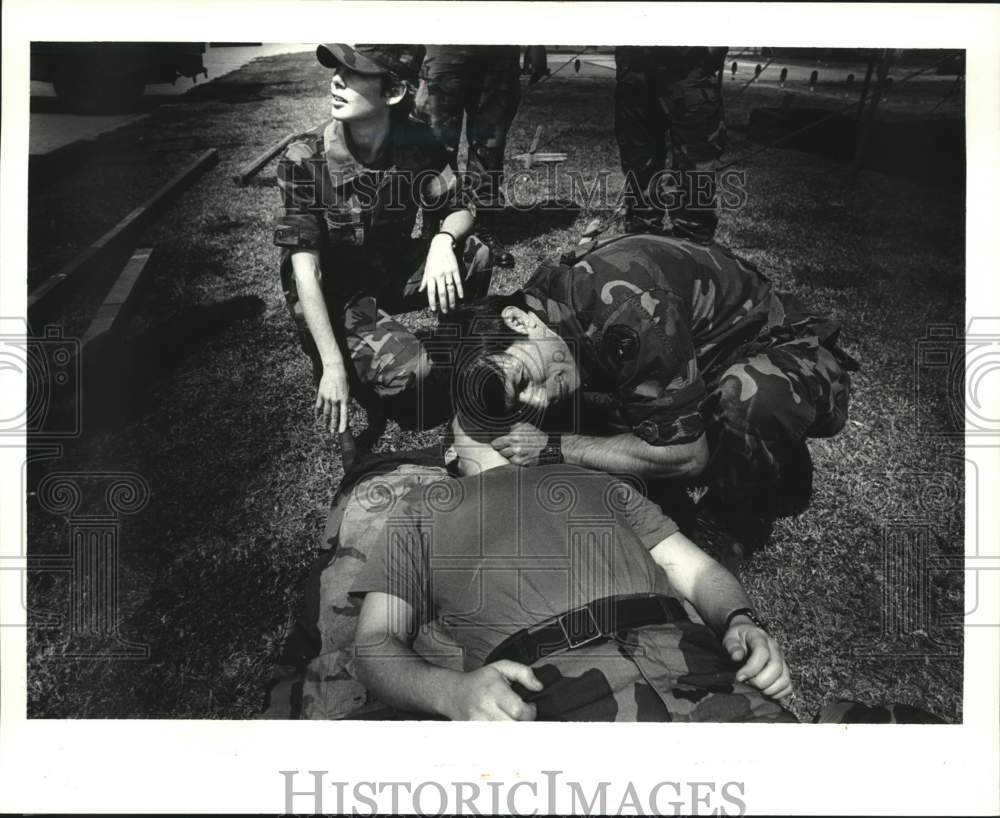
(51, 129)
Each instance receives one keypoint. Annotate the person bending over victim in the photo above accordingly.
(685, 368)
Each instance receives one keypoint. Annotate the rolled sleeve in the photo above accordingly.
(300, 178)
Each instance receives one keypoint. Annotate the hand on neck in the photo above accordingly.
(474, 456)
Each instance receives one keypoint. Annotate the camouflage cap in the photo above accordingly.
(402, 60)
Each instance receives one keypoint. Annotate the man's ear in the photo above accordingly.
(518, 320)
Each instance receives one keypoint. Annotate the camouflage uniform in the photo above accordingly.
(360, 219)
(482, 83)
(671, 91)
(675, 339)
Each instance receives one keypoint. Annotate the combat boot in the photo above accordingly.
(486, 221)
(644, 220)
(712, 537)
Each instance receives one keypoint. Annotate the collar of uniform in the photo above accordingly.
(341, 163)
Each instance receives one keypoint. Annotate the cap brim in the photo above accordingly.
(334, 55)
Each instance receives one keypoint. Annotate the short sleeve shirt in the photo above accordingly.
(352, 210)
(513, 546)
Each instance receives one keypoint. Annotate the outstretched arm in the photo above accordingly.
(388, 665)
(716, 593)
(333, 391)
(620, 454)
(626, 454)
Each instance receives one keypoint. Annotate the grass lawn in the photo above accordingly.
(214, 410)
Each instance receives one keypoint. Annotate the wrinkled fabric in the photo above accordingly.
(676, 339)
(673, 672)
(482, 84)
(388, 358)
(359, 217)
(321, 684)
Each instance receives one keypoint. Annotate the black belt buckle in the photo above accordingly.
(570, 628)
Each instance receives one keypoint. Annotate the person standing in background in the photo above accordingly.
(670, 91)
(482, 84)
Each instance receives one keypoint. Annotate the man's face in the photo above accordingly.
(355, 96)
(539, 370)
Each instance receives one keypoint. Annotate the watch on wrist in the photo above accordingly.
(552, 452)
(748, 613)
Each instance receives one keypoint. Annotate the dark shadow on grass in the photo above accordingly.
(117, 380)
(512, 225)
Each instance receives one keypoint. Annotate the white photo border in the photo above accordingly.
(208, 766)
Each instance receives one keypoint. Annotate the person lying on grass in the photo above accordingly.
(351, 191)
(565, 588)
(681, 365)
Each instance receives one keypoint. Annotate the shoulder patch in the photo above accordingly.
(621, 344)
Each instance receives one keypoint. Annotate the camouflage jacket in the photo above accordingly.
(339, 205)
(649, 319)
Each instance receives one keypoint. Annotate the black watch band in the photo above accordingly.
(552, 453)
(748, 613)
(454, 241)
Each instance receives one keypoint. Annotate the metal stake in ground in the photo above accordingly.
(859, 155)
(867, 85)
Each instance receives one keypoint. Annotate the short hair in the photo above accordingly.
(478, 326)
(481, 397)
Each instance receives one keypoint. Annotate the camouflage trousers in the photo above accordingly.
(789, 384)
(673, 672)
(675, 93)
(389, 362)
(481, 83)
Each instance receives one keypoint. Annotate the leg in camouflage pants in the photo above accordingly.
(787, 386)
(671, 91)
(483, 84)
(389, 361)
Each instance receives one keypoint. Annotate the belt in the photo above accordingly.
(594, 622)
